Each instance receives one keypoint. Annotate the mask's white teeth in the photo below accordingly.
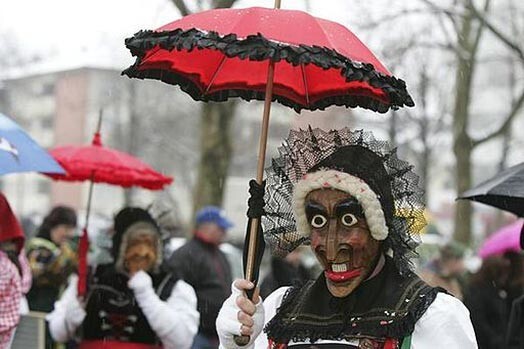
(339, 268)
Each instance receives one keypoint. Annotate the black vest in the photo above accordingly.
(387, 306)
(113, 312)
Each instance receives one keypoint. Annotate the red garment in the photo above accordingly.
(10, 296)
(10, 228)
(27, 277)
(105, 344)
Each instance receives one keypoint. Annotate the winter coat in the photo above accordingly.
(515, 337)
(206, 268)
(489, 314)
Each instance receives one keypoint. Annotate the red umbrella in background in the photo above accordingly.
(99, 164)
(287, 56)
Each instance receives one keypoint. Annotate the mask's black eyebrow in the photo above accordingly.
(350, 205)
(312, 208)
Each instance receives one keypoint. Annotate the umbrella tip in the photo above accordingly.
(96, 139)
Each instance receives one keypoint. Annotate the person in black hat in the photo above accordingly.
(205, 267)
(131, 301)
(356, 204)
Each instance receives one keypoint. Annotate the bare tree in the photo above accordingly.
(462, 26)
(215, 138)
(469, 24)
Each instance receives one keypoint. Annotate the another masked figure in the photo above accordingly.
(131, 303)
(341, 192)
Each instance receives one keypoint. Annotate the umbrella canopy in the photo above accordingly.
(222, 53)
(503, 240)
(105, 165)
(20, 153)
(505, 191)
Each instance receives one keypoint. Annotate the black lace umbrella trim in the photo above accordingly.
(258, 48)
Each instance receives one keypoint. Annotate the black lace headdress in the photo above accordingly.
(356, 153)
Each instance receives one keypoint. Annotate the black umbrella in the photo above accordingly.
(505, 191)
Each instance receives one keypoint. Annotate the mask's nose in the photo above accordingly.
(331, 242)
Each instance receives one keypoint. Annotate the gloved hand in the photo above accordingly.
(140, 282)
(240, 316)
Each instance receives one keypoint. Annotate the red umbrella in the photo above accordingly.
(99, 164)
(223, 53)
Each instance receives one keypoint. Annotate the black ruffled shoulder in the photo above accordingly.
(388, 306)
(258, 48)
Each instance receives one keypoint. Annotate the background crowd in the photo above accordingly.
(43, 268)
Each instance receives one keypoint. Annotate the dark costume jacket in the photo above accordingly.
(206, 268)
(515, 336)
(381, 312)
(489, 311)
(113, 312)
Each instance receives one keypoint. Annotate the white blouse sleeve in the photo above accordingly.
(271, 304)
(445, 322)
(174, 321)
(68, 313)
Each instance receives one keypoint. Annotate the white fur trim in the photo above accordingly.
(331, 179)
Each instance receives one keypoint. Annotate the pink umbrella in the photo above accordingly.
(505, 239)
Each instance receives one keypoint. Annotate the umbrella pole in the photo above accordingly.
(89, 198)
(252, 245)
(260, 166)
(83, 246)
(250, 265)
(251, 251)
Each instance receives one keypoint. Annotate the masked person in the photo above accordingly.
(131, 303)
(13, 276)
(340, 192)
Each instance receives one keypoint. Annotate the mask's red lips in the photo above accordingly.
(342, 276)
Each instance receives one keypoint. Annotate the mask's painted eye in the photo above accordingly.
(318, 221)
(349, 220)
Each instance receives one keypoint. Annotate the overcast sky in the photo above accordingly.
(70, 33)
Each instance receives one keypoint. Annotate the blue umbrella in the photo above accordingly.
(20, 153)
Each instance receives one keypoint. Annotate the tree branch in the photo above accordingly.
(482, 25)
(495, 31)
(181, 6)
(507, 123)
(394, 17)
(224, 3)
(447, 12)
